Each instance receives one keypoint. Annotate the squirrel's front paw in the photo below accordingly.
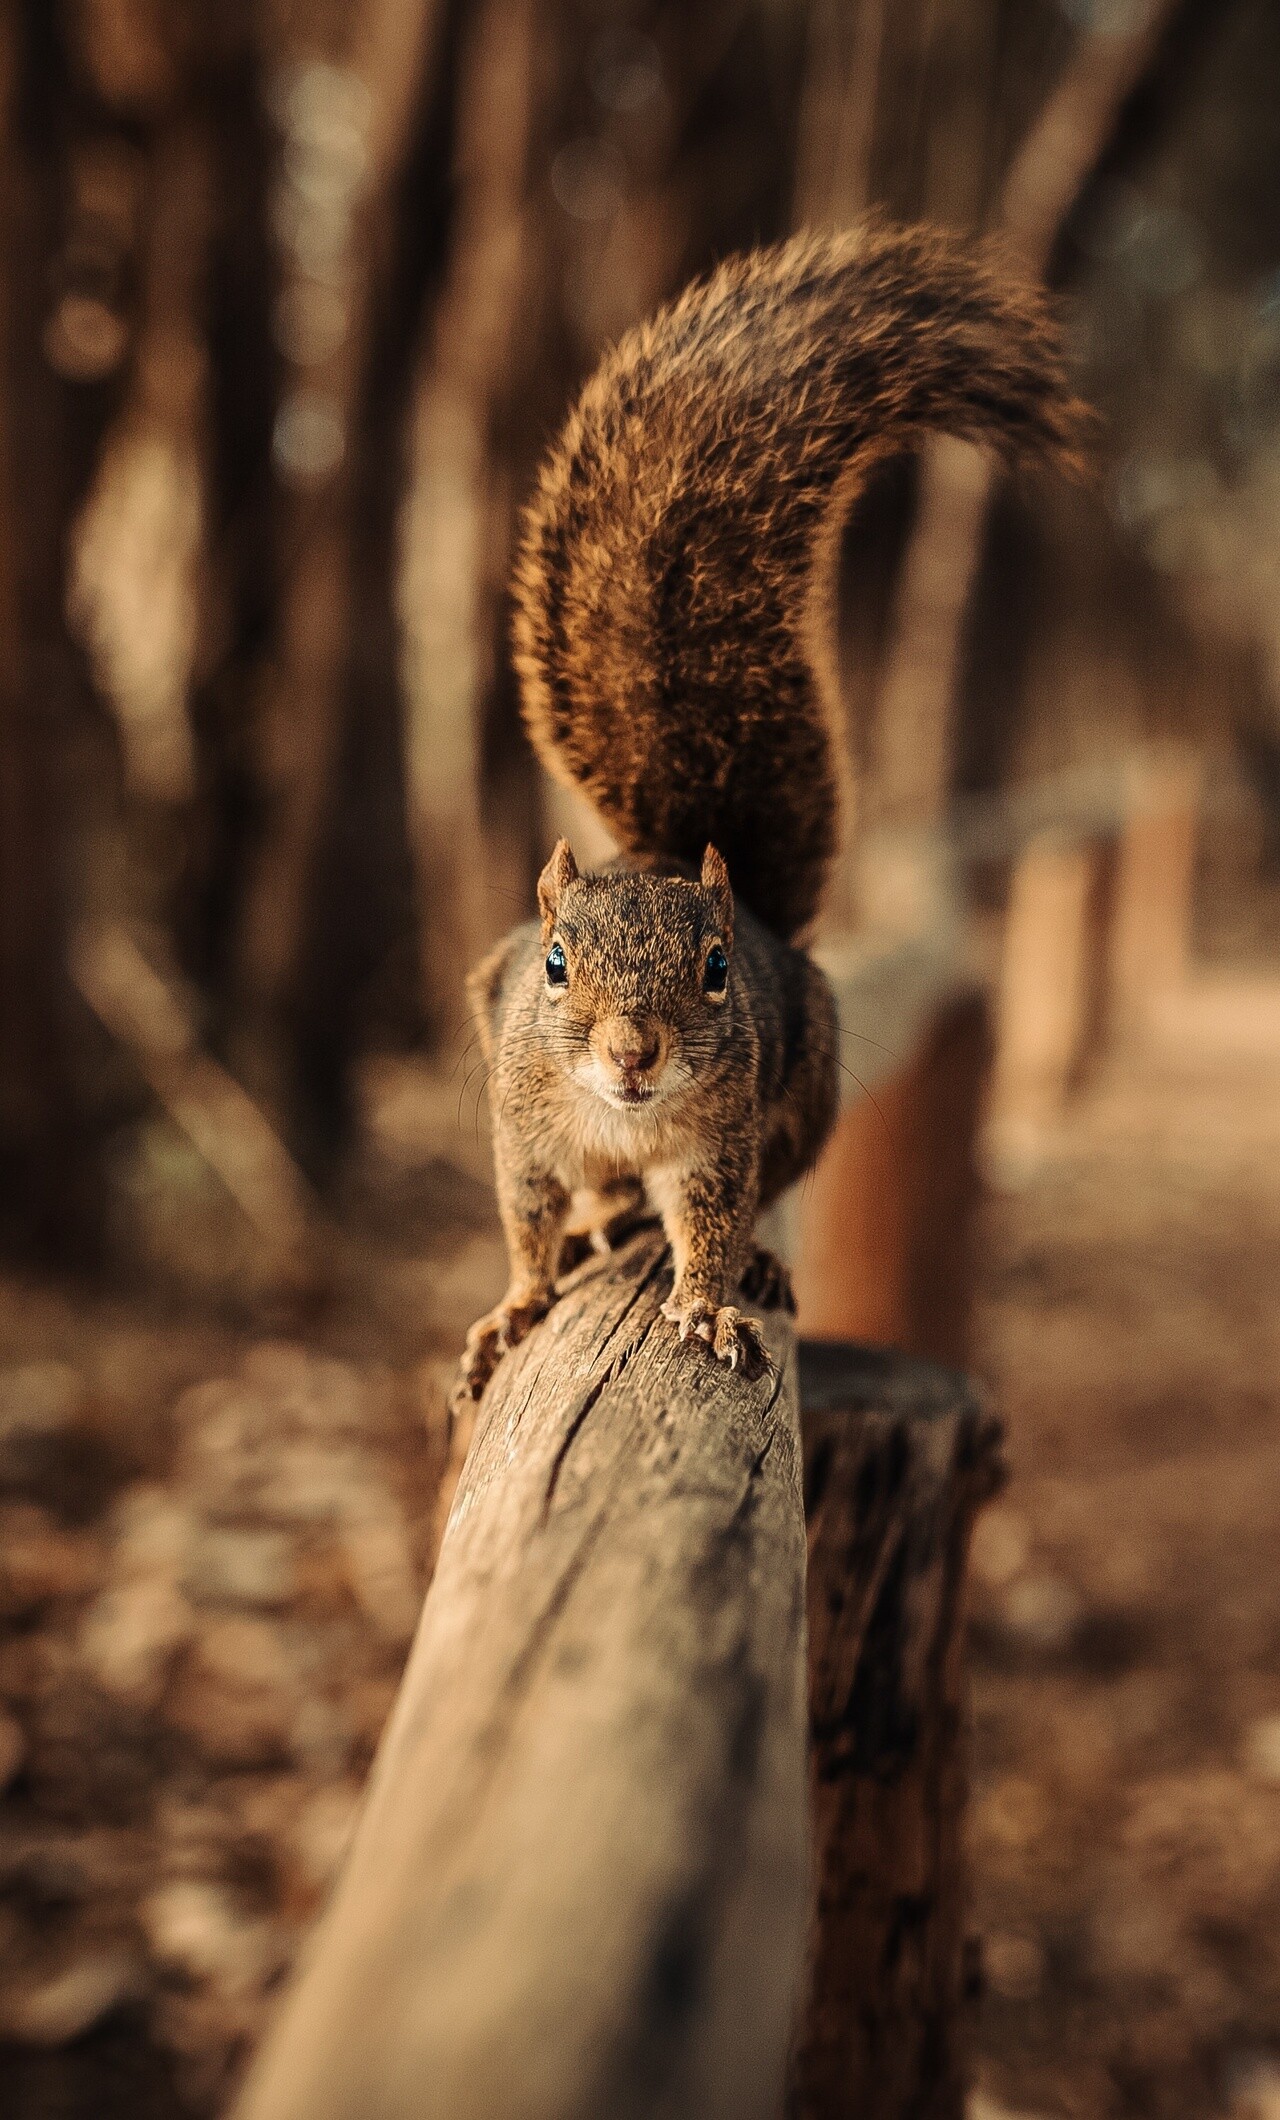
(731, 1337)
(492, 1336)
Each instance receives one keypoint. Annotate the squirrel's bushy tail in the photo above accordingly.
(675, 624)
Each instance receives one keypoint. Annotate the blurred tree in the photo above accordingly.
(487, 367)
(332, 893)
(72, 210)
(915, 109)
(914, 741)
(1175, 259)
(1096, 622)
(234, 303)
(330, 146)
(997, 119)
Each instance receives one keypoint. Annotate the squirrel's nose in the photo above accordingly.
(632, 1047)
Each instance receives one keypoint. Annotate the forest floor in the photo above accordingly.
(215, 1523)
(1125, 1823)
(218, 1511)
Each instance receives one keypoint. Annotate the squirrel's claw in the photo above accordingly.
(739, 1342)
(732, 1338)
(690, 1323)
(497, 1333)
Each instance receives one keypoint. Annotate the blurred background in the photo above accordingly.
(293, 295)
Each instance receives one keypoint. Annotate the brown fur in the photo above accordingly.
(674, 640)
(734, 1094)
(674, 633)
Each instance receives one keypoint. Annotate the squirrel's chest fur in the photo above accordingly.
(544, 1089)
(595, 1142)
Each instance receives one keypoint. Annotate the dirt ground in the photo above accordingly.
(214, 1523)
(218, 1511)
(1125, 1827)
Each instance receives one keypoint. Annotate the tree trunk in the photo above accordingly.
(240, 575)
(837, 116)
(914, 714)
(69, 215)
(348, 865)
(299, 889)
(489, 389)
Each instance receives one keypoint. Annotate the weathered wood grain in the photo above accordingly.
(899, 1456)
(579, 1886)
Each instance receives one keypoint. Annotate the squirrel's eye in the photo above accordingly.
(715, 977)
(557, 968)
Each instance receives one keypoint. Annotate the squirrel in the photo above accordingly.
(660, 1030)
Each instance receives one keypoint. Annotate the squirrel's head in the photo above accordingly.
(637, 976)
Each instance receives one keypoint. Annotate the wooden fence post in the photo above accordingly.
(899, 1456)
(1052, 982)
(886, 1218)
(1155, 874)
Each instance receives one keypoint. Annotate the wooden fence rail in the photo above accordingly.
(581, 1887)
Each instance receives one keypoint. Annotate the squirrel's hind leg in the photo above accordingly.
(767, 1282)
(602, 1217)
(799, 1117)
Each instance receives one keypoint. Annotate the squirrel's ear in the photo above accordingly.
(715, 879)
(559, 873)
